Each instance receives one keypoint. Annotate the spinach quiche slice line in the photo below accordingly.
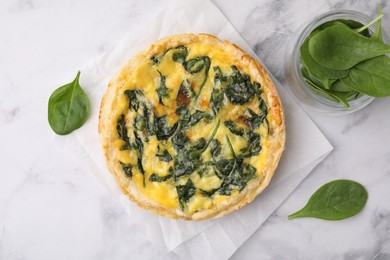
(192, 128)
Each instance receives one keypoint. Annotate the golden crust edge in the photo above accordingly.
(254, 187)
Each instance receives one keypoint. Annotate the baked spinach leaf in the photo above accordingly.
(122, 132)
(127, 168)
(239, 89)
(185, 192)
(135, 98)
(162, 90)
(163, 130)
(163, 155)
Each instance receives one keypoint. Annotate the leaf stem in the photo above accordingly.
(358, 30)
(297, 214)
(230, 146)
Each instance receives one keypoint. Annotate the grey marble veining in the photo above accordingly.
(49, 209)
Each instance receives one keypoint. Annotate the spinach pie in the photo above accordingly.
(192, 128)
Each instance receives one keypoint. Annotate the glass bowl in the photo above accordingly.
(304, 93)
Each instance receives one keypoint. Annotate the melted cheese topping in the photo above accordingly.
(147, 78)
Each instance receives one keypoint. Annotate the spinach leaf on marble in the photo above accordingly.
(68, 108)
(336, 200)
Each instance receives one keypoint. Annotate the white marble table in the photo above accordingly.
(51, 210)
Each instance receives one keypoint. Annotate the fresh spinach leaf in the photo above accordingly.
(371, 77)
(340, 48)
(234, 128)
(185, 192)
(155, 178)
(378, 30)
(335, 200)
(68, 108)
(315, 68)
(239, 89)
(339, 97)
(163, 155)
(339, 86)
(128, 169)
(162, 90)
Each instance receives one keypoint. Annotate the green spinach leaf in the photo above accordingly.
(155, 178)
(122, 132)
(371, 77)
(196, 65)
(378, 30)
(128, 169)
(134, 97)
(162, 90)
(215, 148)
(340, 48)
(239, 89)
(315, 68)
(185, 192)
(164, 155)
(69, 108)
(234, 128)
(163, 130)
(253, 147)
(218, 93)
(335, 200)
(180, 54)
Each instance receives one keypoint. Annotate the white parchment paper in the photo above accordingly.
(216, 239)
